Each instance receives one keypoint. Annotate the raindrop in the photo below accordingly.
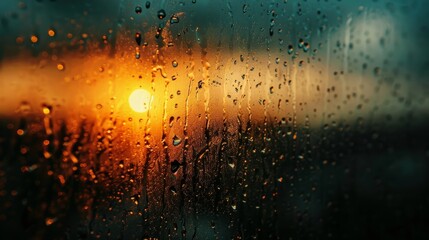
(175, 165)
(34, 39)
(301, 43)
(99, 106)
(61, 66)
(51, 32)
(46, 109)
(161, 14)
(200, 84)
(244, 8)
(138, 37)
(50, 221)
(176, 141)
(174, 19)
(147, 4)
(175, 63)
(138, 9)
(306, 47)
(290, 49)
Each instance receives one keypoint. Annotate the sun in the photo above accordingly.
(139, 100)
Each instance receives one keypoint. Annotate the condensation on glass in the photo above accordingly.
(198, 119)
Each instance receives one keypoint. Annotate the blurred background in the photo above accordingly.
(198, 119)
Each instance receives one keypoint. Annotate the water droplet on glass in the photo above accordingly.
(244, 8)
(139, 9)
(161, 14)
(147, 4)
(174, 19)
(138, 38)
(46, 109)
(290, 49)
(301, 43)
(306, 47)
(175, 166)
(175, 63)
(99, 106)
(50, 221)
(51, 32)
(200, 84)
(61, 66)
(176, 140)
(34, 39)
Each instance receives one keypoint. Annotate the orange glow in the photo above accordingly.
(51, 33)
(34, 39)
(60, 66)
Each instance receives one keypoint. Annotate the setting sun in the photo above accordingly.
(139, 100)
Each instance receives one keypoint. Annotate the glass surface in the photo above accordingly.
(198, 119)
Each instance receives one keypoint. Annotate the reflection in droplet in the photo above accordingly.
(176, 140)
(290, 49)
(34, 39)
(50, 221)
(51, 33)
(301, 43)
(175, 166)
(147, 4)
(138, 38)
(174, 19)
(46, 109)
(175, 63)
(61, 66)
(306, 47)
(171, 120)
(173, 190)
(138, 9)
(161, 14)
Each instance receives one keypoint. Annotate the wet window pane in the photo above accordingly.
(198, 119)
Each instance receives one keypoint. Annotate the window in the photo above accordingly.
(198, 119)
